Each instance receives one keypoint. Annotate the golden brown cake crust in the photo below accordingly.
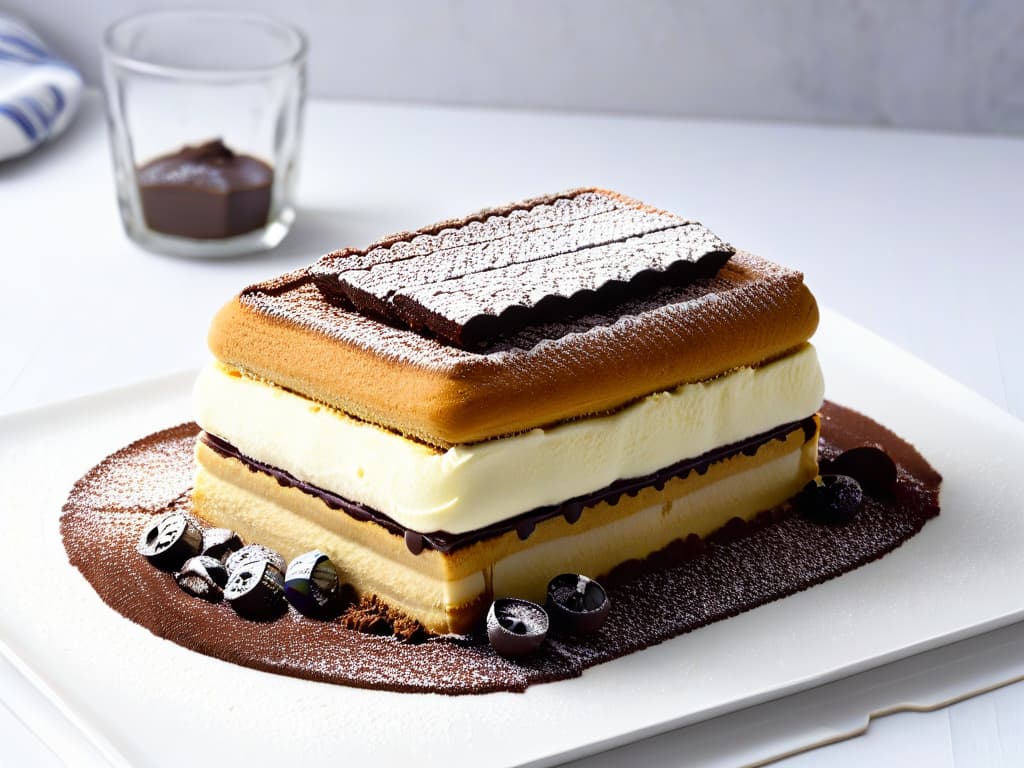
(284, 330)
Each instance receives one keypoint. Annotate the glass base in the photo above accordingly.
(263, 239)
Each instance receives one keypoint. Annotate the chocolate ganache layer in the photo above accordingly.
(523, 524)
(108, 508)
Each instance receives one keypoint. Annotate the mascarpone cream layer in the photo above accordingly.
(471, 486)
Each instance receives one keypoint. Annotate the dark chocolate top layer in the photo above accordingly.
(525, 523)
(485, 277)
(698, 585)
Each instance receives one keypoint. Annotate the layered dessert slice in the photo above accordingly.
(573, 383)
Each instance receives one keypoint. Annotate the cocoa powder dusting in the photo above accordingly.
(108, 508)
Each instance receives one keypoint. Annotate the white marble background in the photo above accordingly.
(953, 65)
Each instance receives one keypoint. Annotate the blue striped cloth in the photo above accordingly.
(39, 93)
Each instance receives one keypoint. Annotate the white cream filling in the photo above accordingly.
(470, 486)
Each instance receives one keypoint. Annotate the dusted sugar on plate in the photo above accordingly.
(577, 383)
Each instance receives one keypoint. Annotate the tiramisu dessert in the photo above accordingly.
(402, 451)
(578, 383)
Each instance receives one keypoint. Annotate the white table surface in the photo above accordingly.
(916, 236)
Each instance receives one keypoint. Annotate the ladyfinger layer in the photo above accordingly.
(467, 487)
(449, 591)
(284, 330)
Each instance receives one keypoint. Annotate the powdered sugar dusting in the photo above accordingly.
(515, 219)
(110, 506)
(459, 248)
(116, 483)
(501, 245)
(497, 288)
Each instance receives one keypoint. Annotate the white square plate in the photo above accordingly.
(158, 704)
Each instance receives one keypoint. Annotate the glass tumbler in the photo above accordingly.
(205, 113)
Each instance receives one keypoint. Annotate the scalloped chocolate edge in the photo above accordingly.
(485, 328)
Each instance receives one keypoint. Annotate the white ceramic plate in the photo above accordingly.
(158, 704)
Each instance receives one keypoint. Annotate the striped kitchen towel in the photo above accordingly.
(39, 93)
